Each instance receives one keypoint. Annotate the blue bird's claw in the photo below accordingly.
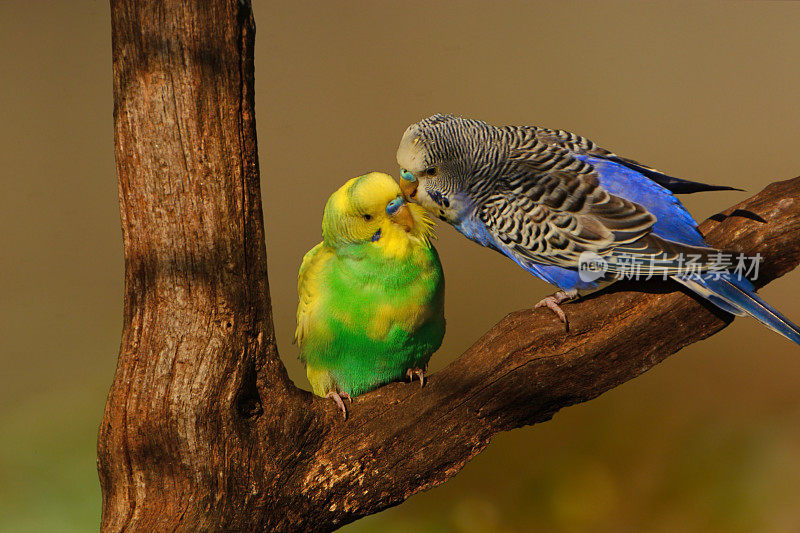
(552, 301)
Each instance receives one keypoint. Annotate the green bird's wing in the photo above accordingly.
(309, 287)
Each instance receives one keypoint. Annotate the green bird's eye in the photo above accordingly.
(430, 171)
(367, 217)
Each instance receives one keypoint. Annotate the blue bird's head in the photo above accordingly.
(435, 169)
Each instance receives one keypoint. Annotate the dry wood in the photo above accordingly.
(203, 430)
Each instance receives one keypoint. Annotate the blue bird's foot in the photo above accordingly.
(418, 372)
(551, 302)
(337, 398)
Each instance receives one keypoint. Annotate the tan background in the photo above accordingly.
(708, 441)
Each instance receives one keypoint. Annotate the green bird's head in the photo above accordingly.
(371, 209)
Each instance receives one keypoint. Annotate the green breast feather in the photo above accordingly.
(366, 318)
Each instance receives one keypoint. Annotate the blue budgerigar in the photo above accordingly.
(549, 199)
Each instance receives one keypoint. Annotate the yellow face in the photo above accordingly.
(371, 208)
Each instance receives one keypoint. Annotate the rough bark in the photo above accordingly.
(203, 430)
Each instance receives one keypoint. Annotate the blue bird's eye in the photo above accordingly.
(394, 205)
(408, 176)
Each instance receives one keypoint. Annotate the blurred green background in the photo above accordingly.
(707, 441)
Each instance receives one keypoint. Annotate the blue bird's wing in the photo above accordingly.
(671, 183)
(553, 218)
(566, 142)
(673, 221)
(543, 219)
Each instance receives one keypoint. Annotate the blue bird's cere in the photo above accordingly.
(554, 202)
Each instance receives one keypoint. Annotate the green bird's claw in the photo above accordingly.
(418, 372)
(337, 398)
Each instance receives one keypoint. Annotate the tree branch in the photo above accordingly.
(402, 439)
(203, 430)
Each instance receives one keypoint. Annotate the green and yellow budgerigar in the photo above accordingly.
(371, 307)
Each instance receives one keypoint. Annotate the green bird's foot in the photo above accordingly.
(418, 372)
(337, 398)
(551, 302)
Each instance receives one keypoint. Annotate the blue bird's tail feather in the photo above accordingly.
(737, 296)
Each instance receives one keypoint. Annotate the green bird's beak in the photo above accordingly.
(400, 214)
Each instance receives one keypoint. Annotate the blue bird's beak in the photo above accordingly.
(408, 184)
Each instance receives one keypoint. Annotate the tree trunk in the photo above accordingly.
(203, 430)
